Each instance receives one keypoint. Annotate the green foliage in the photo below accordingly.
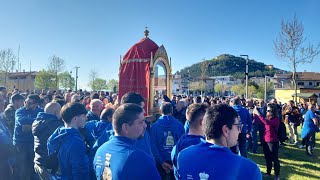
(226, 64)
(113, 83)
(220, 88)
(239, 89)
(45, 80)
(56, 65)
(98, 84)
(66, 81)
(7, 64)
(197, 86)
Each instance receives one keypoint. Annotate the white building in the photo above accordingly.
(226, 80)
(177, 87)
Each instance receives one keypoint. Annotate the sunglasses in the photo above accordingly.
(239, 126)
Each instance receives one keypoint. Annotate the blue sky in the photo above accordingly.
(93, 34)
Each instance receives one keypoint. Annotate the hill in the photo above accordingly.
(227, 64)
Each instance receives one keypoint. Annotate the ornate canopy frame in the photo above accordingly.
(159, 57)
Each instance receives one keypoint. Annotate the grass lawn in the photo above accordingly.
(294, 162)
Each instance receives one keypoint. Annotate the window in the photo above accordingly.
(300, 83)
(318, 83)
(310, 83)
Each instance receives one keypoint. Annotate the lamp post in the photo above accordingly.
(76, 67)
(265, 88)
(247, 69)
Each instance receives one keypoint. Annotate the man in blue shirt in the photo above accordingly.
(143, 143)
(23, 138)
(246, 121)
(309, 129)
(212, 158)
(165, 133)
(67, 144)
(119, 158)
(195, 113)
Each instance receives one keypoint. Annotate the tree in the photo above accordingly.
(220, 88)
(204, 69)
(291, 46)
(197, 86)
(92, 76)
(66, 81)
(111, 84)
(99, 84)
(44, 80)
(7, 63)
(238, 89)
(56, 65)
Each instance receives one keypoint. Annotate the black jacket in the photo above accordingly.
(42, 128)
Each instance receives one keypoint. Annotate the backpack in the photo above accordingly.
(282, 134)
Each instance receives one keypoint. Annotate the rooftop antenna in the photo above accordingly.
(18, 57)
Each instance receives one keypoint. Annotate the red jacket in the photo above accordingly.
(271, 129)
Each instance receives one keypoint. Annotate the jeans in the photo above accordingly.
(241, 145)
(24, 163)
(270, 150)
(293, 133)
(310, 142)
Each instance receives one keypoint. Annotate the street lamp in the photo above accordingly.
(76, 67)
(247, 69)
(265, 87)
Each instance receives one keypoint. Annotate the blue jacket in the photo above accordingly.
(210, 161)
(244, 118)
(165, 133)
(186, 127)
(91, 116)
(184, 142)
(94, 129)
(88, 132)
(100, 127)
(42, 128)
(142, 144)
(125, 160)
(73, 161)
(24, 117)
(308, 125)
(6, 147)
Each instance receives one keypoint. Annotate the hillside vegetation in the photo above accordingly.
(226, 64)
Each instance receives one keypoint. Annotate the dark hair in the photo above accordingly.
(16, 97)
(62, 102)
(198, 99)
(126, 113)
(215, 118)
(71, 110)
(274, 110)
(34, 97)
(166, 108)
(94, 96)
(132, 97)
(194, 111)
(108, 112)
(237, 101)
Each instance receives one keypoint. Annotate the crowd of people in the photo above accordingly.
(83, 135)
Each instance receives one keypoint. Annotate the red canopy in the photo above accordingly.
(135, 70)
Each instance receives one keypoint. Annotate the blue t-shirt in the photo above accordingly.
(209, 161)
(184, 142)
(308, 125)
(125, 160)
